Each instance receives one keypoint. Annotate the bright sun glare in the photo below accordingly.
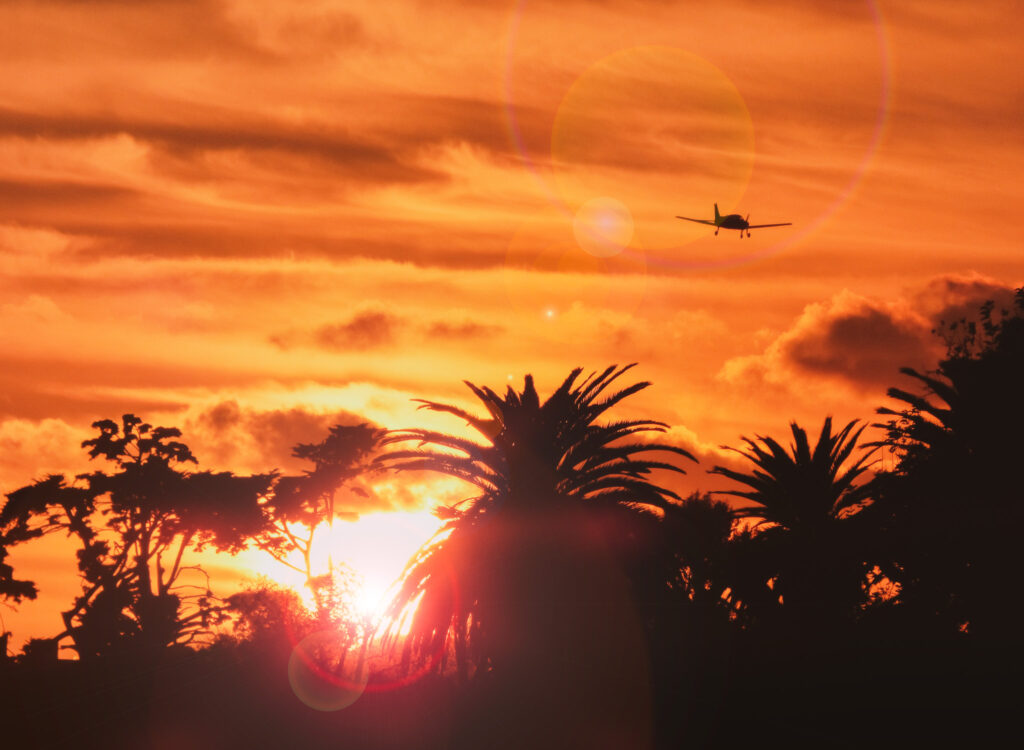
(376, 548)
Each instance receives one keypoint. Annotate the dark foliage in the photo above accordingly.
(11, 588)
(300, 505)
(133, 526)
(496, 560)
(809, 546)
(580, 603)
(952, 508)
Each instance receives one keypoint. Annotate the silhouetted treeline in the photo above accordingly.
(571, 600)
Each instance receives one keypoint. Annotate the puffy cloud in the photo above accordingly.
(856, 340)
(32, 449)
(850, 338)
(863, 342)
(696, 478)
(954, 297)
(229, 435)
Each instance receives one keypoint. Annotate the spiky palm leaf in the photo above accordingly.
(533, 456)
(801, 487)
(814, 555)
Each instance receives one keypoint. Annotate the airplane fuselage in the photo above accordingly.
(732, 221)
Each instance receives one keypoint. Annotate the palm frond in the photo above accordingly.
(801, 485)
(558, 441)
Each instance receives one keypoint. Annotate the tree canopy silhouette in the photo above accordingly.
(134, 525)
(698, 531)
(11, 588)
(952, 504)
(300, 505)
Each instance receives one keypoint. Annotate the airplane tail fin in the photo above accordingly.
(717, 215)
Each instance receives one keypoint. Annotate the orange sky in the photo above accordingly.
(252, 219)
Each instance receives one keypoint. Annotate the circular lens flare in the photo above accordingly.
(642, 126)
(326, 671)
(688, 192)
(603, 227)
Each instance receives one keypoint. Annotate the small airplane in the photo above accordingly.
(733, 221)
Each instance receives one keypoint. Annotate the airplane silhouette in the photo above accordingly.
(733, 221)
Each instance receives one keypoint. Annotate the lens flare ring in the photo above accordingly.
(842, 196)
(314, 683)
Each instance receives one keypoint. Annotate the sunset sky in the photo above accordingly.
(254, 219)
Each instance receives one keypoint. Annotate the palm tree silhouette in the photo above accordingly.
(804, 500)
(497, 567)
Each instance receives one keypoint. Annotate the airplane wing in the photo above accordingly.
(699, 221)
(762, 226)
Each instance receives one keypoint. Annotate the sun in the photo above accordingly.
(377, 547)
(371, 600)
(374, 548)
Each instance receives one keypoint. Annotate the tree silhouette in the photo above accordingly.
(134, 526)
(952, 505)
(680, 563)
(806, 543)
(495, 563)
(698, 531)
(684, 580)
(11, 588)
(269, 616)
(302, 504)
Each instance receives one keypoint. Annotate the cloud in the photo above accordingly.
(954, 297)
(228, 435)
(169, 29)
(375, 329)
(212, 130)
(366, 330)
(851, 339)
(466, 329)
(863, 342)
(21, 198)
(79, 391)
(32, 449)
(708, 455)
(697, 478)
(369, 329)
(856, 340)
